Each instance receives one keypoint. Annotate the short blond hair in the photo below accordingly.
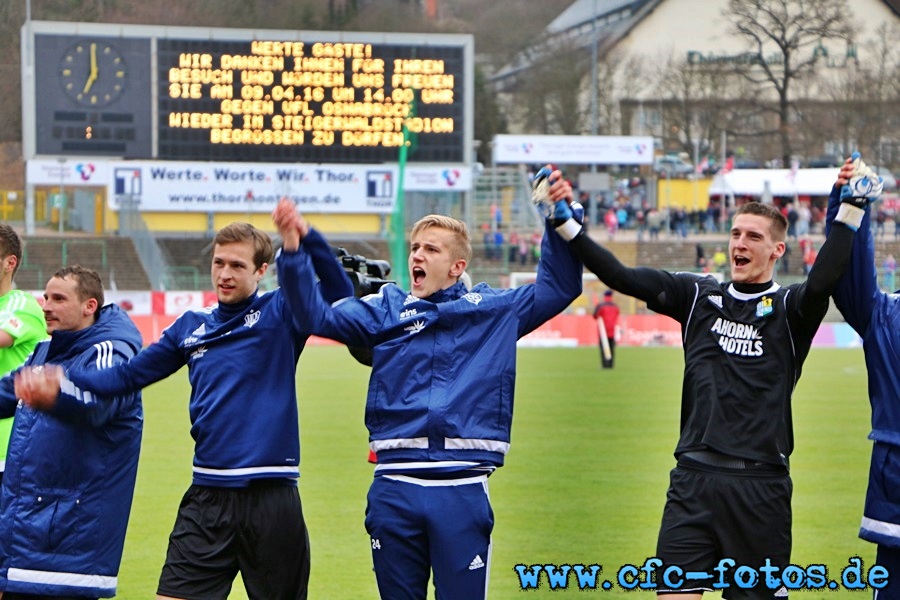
(462, 245)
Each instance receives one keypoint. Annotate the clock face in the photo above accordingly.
(93, 73)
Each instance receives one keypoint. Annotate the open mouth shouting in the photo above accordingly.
(418, 278)
(740, 260)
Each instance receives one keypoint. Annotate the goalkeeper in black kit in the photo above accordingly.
(744, 345)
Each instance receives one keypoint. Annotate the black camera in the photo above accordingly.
(366, 274)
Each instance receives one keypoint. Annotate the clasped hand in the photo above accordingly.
(38, 387)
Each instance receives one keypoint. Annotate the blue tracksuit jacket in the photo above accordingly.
(70, 473)
(875, 316)
(443, 372)
(241, 360)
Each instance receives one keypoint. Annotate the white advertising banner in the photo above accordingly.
(68, 173)
(238, 187)
(162, 186)
(573, 149)
(437, 179)
(781, 182)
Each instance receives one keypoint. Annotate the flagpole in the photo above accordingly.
(398, 216)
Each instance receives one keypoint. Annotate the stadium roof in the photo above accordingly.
(581, 11)
(606, 20)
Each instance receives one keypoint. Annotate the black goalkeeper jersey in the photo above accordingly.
(744, 346)
(742, 353)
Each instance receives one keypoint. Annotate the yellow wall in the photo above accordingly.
(107, 220)
(688, 194)
(12, 210)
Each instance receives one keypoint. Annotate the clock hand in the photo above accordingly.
(94, 70)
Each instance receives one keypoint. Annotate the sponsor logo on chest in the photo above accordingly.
(739, 339)
(408, 313)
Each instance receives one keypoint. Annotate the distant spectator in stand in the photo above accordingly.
(513, 247)
(498, 244)
(640, 219)
(607, 315)
(888, 276)
(523, 250)
(809, 257)
(792, 217)
(536, 238)
(487, 239)
(881, 218)
(496, 215)
(804, 216)
(679, 222)
(804, 244)
(720, 260)
(654, 223)
(710, 224)
(786, 259)
(622, 216)
(700, 260)
(612, 223)
(897, 224)
(584, 198)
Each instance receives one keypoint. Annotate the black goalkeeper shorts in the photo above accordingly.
(713, 515)
(257, 530)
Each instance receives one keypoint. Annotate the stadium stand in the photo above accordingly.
(114, 258)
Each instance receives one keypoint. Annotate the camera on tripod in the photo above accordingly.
(367, 275)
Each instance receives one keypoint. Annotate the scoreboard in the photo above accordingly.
(179, 93)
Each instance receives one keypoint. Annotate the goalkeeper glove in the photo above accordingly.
(540, 192)
(863, 188)
(565, 219)
(568, 220)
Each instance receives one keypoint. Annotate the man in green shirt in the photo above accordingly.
(22, 323)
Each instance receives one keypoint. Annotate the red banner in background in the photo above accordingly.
(152, 312)
(581, 330)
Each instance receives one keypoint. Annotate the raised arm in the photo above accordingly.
(858, 186)
(334, 282)
(559, 271)
(857, 289)
(645, 284)
(642, 283)
(355, 324)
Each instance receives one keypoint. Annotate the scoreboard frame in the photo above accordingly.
(147, 92)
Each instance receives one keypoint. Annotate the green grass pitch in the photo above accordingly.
(584, 481)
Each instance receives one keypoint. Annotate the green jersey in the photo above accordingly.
(23, 319)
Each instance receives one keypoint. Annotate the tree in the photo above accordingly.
(489, 120)
(784, 36)
(883, 88)
(549, 99)
(696, 113)
(617, 75)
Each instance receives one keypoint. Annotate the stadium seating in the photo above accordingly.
(114, 258)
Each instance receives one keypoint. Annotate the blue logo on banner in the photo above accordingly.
(127, 181)
(379, 184)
